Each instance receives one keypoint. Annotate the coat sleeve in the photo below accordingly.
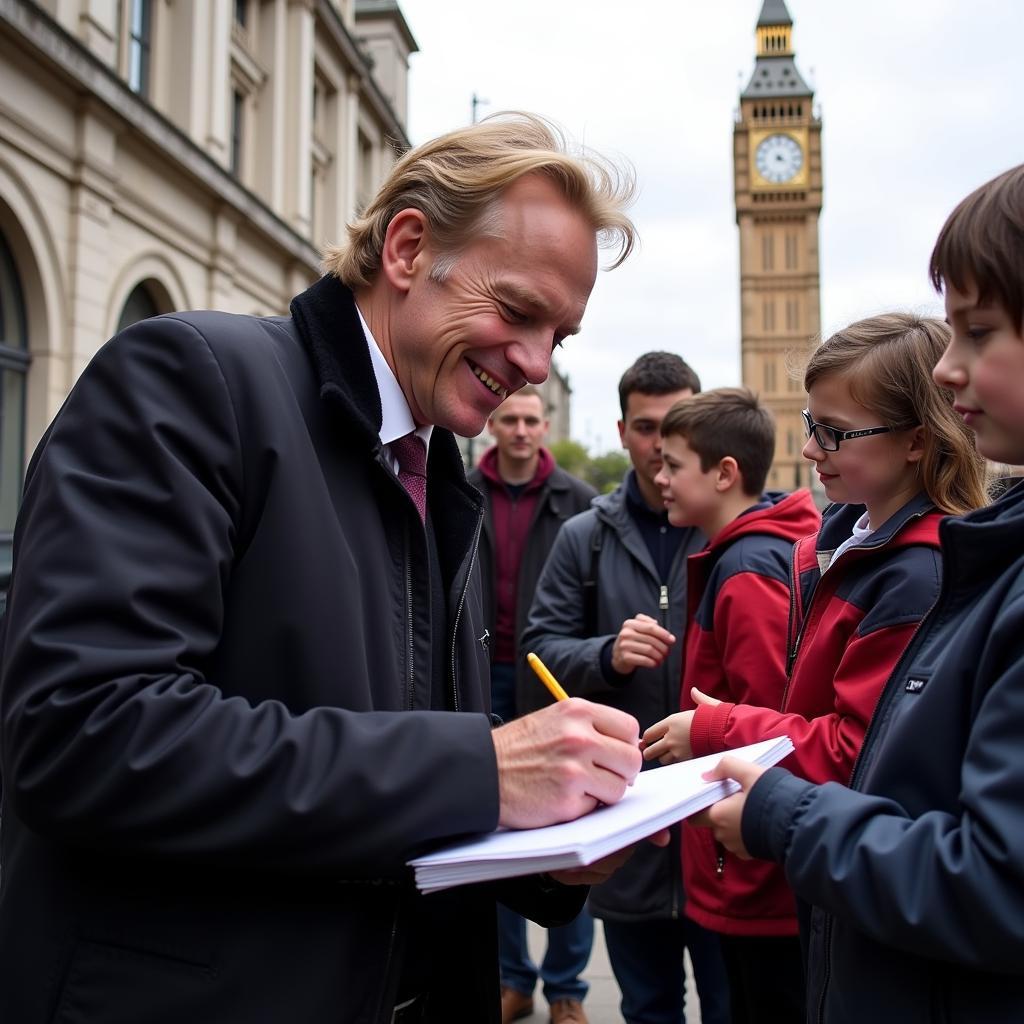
(554, 628)
(944, 885)
(112, 734)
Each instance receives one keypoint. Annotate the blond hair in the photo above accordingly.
(456, 181)
(887, 363)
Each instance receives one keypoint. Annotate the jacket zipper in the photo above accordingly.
(794, 583)
(674, 851)
(827, 970)
(857, 764)
(410, 684)
(410, 653)
(458, 610)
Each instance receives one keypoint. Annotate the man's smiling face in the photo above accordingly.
(463, 340)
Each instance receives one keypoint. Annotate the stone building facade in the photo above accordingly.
(173, 154)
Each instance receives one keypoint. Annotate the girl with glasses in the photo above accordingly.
(894, 458)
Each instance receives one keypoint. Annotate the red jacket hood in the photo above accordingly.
(789, 516)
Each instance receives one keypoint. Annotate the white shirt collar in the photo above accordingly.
(396, 419)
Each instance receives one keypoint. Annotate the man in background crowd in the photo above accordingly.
(527, 497)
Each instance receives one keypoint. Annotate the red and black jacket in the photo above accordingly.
(847, 629)
(736, 645)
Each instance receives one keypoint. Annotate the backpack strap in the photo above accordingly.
(590, 583)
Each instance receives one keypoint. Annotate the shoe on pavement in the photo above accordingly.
(568, 1011)
(515, 1005)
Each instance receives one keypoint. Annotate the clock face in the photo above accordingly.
(779, 158)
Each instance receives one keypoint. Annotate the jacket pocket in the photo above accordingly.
(108, 984)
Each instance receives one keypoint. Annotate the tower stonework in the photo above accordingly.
(777, 175)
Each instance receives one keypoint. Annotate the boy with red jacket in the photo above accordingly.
(717, 448)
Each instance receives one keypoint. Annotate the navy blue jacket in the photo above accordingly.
(918, 877)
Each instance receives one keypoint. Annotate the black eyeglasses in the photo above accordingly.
(830, 438)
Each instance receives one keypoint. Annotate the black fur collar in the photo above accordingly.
(327, 321)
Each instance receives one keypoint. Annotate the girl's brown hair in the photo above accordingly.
(887, 363)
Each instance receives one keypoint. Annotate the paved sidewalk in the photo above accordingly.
(602, 1003)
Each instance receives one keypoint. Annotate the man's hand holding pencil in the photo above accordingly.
(559, 763)
(562, 761)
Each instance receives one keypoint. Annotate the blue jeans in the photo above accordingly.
(565, 960)
(647, 960)
(503, 690)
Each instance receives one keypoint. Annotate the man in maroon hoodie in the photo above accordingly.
(527, 499)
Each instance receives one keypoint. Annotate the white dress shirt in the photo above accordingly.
(396, 418)
(861, 532)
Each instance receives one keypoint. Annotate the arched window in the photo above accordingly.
(140, 305)
(14, 360)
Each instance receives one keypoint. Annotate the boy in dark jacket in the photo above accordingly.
(717, 449)
(916, 870)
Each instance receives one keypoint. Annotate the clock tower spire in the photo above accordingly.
(777, 175)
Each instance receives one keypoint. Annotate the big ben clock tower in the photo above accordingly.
(777, 175)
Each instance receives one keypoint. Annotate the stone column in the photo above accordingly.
(222, 293)
(298, 125)
(92, 186)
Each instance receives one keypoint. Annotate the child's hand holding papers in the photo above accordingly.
(725, 818)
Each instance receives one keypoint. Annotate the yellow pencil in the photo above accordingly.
(546, 677)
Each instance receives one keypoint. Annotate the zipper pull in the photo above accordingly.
(663, 601)
(720, 865)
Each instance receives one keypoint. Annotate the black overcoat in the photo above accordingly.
(214, 767)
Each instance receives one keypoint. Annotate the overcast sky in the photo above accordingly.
(921, 101)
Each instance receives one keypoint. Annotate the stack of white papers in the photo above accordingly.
(659, 797)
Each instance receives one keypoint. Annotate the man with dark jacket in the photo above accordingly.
(526, 499)
(242, 681)
(609, 608)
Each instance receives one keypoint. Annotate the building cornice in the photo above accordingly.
(34, 30)
(389, 9)
(330, 18)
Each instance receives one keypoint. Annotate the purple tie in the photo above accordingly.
(411, 453)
